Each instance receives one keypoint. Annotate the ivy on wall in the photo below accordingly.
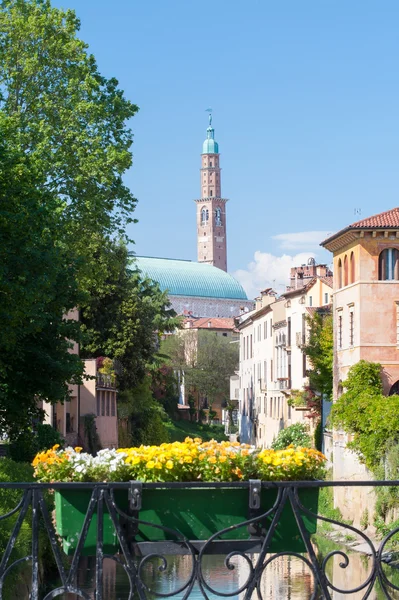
(364, 412)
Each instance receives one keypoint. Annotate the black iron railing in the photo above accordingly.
(133, 556)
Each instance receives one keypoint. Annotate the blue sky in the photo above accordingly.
(306, 112)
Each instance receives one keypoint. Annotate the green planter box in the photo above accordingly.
(196, 513)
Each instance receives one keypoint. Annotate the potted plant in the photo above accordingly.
(194, 511)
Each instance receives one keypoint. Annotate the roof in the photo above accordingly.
(300, 290)
(210, 146)
(212, 323)
(186, 278)
(385, 220)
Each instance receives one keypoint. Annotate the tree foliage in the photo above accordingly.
(363, 411)
(38, 288)
(296, 434)
(319, 350)
(125, 316)
(207, 360)
(69, 119)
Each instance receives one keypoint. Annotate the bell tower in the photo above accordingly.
(211, 207)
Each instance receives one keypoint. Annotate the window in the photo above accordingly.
(388, 265)
(339, 274)
(210, 164)
(326, 298)
(98, 404)
(252, 349)
(345, 270)
(218, 217)
(340, 330)
(351, 328)
(310, 301)
(289, 331)
(211, 193)
(352, 268)
(204, 216)
(271, 370)
(107, 405)
(265, 371)
(265, 329)
(303, 364)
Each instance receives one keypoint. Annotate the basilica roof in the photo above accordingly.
(187, 278)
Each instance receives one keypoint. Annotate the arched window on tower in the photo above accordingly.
(210, 164)
(204, 216)
(346, 270)
(388, 265)
(211, 193)
(339, 274)
(218, 217)
(352, 268)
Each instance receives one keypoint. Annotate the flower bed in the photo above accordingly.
(194, 512)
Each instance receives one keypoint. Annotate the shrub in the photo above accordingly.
(24, 447)
(297, 435)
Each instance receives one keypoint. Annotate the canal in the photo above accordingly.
(285, 578)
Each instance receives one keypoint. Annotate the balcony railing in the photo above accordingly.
(106, 381)
(135, 557)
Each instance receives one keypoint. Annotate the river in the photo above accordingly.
(285, 578)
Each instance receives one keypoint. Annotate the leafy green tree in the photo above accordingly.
(125, 316)
(207, 361)
(38, 288)
(319, 350)
(71, 121)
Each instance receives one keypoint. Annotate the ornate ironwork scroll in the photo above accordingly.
(249, 564)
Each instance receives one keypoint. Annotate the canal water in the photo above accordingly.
(286, 578)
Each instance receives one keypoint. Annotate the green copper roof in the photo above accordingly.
(186, 278)
(210, 146)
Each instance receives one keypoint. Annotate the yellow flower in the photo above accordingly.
(78, 449)
(55, 447)
(169, 464)
(188, 459)
(150, 464)
(212, 459)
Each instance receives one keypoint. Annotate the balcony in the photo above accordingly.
(106, 382)
(320, 573)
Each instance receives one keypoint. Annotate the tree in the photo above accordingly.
(207, 360)
(319, 349)
(125, 316)
(38, 288)
(71, 121)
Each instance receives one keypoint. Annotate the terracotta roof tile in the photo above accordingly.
(213, 323)
(389, 218)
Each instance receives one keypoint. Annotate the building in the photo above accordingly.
(272, 363)
(97, 396)
(195, 288)
(211, 207)
(366, 324)
(203, 288)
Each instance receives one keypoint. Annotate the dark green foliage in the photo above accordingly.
(38, 287)
(144, 418)
(27, 443)
(363, 411)
(297, 434)
(47, 437)
(91, 435)
(318, 436)
(124, 317)
(319, 350)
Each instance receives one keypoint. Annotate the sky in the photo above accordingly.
(305, 99)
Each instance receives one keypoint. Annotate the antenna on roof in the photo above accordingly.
(357, 212)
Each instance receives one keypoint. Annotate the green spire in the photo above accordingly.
(210, 146)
